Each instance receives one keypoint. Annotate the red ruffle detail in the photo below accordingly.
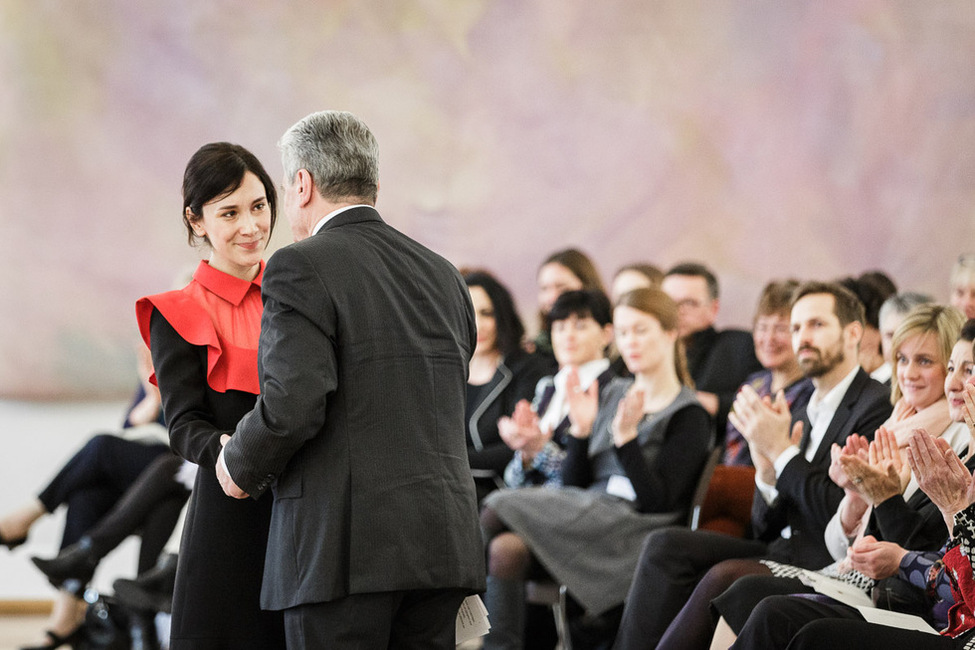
(228, 367)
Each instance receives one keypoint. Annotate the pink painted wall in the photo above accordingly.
(767, 138)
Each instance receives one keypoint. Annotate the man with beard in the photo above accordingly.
(680, 570)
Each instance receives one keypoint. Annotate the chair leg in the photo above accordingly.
(559, 611)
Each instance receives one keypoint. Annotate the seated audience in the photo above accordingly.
(772, 336)
(794, 497)
(89, 484)
(565, 270)
(946, 578)
(963, 284)
(718, 361)
(502, 373)
(151, 506)
(727, 508)
(582, 329)
(879, 502)
(633, 459)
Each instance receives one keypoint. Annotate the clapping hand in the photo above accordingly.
(583, 405)
(883, 474)
(764, 423)
(855, 445)
(941, 474)
(629, 412)
(522, 432)
(969, 394)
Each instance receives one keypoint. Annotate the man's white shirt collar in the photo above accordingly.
(829, 402)
(318, 226)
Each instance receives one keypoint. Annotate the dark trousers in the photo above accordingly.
(150, 506)
(672, 563)
(799, 623)
(95, 478)
(396, 619)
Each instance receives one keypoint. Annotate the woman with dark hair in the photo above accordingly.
(634, 455)
(204, 347)
(582, 329)
(501, 374)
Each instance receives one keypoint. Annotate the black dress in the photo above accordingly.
(221, 561)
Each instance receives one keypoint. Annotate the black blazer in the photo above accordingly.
(808, 498)
(364, 351)
(514, 380)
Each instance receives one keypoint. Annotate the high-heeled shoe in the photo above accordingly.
(12, 543)
(56, 641)
(151, 591)
(76, 563)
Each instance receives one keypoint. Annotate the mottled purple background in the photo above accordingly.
(767, 138)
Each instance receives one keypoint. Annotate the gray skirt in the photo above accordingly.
(587, 540)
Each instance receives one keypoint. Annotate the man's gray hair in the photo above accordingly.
(339, 152)
(901, 303)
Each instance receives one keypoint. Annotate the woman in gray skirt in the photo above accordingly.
(634, 456)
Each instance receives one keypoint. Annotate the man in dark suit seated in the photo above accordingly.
(359, 429)
(718, 361)
(680, 570)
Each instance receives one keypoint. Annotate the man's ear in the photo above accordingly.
(305, 187)
(715, 306)
(854, 333)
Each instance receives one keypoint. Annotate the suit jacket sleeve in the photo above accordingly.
(298, 370)
(181, 373)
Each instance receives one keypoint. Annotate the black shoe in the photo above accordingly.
(75, 564)
(56, 641)
(161, 577)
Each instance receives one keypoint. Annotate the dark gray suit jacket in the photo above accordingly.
(359, 430)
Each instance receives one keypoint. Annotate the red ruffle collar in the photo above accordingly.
(214, 301)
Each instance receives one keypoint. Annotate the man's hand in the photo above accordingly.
(764, 424)
(230, 488)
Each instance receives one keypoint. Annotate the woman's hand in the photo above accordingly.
(628, 415)
(877, 560)
(941, 474)
(521, 431)
(583, 405)
(855, 445)
(969, 394)
(883, 475)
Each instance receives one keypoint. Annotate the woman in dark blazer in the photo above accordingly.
(501, 374)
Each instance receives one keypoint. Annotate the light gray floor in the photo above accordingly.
(16, 631)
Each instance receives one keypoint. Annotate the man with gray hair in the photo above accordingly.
(359, 428)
